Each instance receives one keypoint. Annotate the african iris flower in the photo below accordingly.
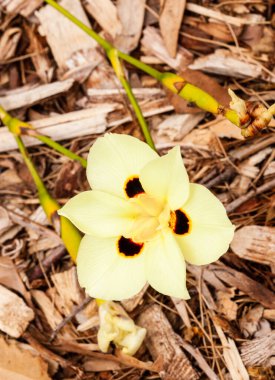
(142, 221)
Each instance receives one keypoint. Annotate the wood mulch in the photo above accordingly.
(56, 77)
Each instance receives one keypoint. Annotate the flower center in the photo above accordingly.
(151, 216)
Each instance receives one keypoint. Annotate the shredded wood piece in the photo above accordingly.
(169, 21)
(238, 21)
(256, 243)
(161, 341)
(153, 43)
(19, 361)
(232, 357)
(23, 97)
(105, 13)
(257, 352)
(129, 37)
(78, 57)
(15, 315)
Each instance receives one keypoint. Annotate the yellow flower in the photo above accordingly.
(142, 221)
(116, 326)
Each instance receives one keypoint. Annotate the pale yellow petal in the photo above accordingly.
(104, 273)
(211, 230)
(115, 158)
(98, 213)
(165, 266)
(166, 179)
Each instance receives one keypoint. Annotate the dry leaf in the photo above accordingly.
(18, 362)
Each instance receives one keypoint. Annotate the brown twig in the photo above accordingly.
(69, 317)
(237, 202)
(56, 254)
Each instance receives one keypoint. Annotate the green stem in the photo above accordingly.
(114, 54)
(69, 233)
(8, 120)
(140, 65)
(59, 148)
(19, 128)
(138, 112)
(172, 81)
(101, 41)
(118, 68)
(44, 197)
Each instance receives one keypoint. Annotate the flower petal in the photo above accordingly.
(211, 230)
(104, 273)
(166, 179)
(98, 213)
(165, 266)
(113, 159)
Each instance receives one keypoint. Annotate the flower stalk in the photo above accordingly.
(68, 232)
(250, 125)
(113, 55)
(118, 68)
(21, 128)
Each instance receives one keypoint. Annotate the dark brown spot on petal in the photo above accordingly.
(133, 187)
(128, 248)
(179, 222)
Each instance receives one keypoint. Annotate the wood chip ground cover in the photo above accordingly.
(56, 77)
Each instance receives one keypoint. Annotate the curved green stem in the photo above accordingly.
(43, 194)
(19, 128)
(172, 81)
(69, 233)
(59, 148)
(113, 55)
(138, 112)
(101, 41)
(140, 65)
(118, 68)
